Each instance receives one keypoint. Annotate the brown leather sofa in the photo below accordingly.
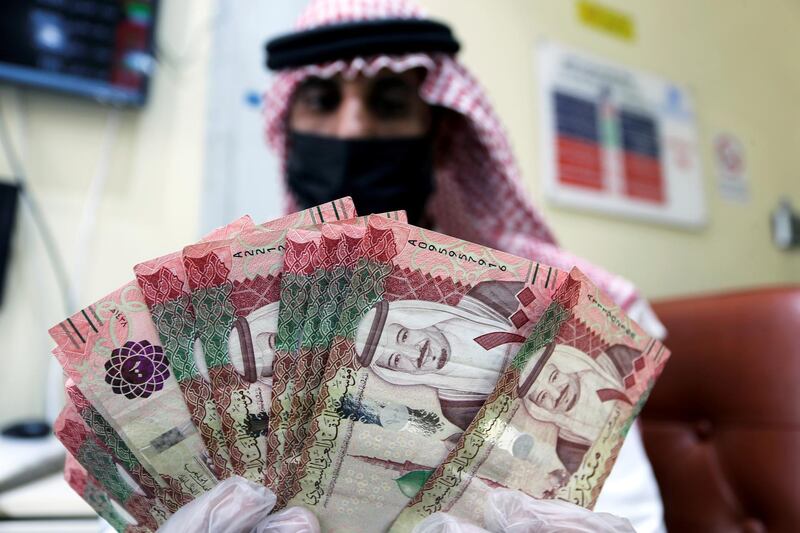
(722, 426)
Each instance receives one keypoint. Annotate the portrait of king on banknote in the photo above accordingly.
(445, 347)
(555, 420)
(572, 396)
(431, 322)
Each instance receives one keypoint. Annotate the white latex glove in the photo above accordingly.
(237, 505)
(510, 511)
(446, 523)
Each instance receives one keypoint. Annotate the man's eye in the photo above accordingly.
(321, 101)
(320, 96)
(404, 336)
(395, 360)
(553, 376)
(540, 398)
(391, 98)
(390, 109)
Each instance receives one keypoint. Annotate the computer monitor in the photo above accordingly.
(101, 49)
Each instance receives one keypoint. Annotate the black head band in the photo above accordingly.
(359, 39)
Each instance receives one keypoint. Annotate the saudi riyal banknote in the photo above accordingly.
(165, 287)
(172, 496)
(555, 421)
(234, 286)
(301, 258)
(337, 246)
(93, 493)
(112, 352)
(87, 449)
(428, 324)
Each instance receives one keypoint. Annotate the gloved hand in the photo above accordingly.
(237, 505)
(511, 511)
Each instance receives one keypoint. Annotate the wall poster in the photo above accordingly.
(618, 141)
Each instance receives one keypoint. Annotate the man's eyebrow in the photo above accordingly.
(391, 82)
(317, 83)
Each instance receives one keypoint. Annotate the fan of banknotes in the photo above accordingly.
(369, 370)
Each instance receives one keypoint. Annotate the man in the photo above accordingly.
(369, 101)
(416, 342)
(576, 394)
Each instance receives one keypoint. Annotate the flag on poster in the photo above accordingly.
(618, 141)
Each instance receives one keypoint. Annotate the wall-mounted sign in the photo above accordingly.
(617, 140)
(731, 166)
(605, 19)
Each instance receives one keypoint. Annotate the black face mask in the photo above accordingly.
(379, 174)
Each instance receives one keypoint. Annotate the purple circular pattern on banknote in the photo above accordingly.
(137, 369)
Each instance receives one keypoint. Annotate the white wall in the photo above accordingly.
(242, 174)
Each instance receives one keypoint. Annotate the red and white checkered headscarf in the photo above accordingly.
(479, 195)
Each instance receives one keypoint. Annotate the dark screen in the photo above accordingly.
(98, 48)
(8, 213)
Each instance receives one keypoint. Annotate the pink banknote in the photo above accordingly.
(96, 496)
(235, 286)
(87, 449)
(321, 284)
(166, 290)
(301, 259)
(428, 325)
(338, 247)
(555, 421)
(172, 497)
(113, 353)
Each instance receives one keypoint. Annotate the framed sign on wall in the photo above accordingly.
(617, 140)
